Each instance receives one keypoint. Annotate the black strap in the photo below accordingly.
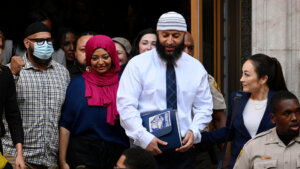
(237, 99)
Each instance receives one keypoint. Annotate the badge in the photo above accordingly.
(266, 157)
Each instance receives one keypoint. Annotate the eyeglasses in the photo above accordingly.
(41, 41)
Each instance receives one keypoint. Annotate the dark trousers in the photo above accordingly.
(203, 161)
(170, 159)
(206, 156)
(93, 153)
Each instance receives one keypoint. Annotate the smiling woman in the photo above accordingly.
(101, 61)
(89, 121)
(144, 41)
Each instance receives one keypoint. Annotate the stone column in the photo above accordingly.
(276, 32)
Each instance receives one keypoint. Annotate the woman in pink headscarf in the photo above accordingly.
(90, 131)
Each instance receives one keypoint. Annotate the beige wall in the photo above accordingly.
(276, 32)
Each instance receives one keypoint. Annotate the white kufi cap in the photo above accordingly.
(171, 21)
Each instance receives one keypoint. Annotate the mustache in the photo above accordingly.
(170, 46)
(294, 124)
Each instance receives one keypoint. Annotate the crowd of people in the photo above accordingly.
(76, 102)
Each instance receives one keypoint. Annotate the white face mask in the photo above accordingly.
(43, 51)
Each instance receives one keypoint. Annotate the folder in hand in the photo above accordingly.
(163, 125)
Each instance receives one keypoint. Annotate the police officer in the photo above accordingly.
(278, 147)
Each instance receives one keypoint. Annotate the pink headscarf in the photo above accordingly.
(101, 90)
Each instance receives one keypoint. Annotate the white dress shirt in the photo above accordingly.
(143, 88)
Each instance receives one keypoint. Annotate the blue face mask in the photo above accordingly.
(43, 51)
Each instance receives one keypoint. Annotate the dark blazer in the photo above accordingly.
(8, 103)
(239, 133)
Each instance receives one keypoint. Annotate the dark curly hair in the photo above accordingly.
(278, 97)
(137, 158)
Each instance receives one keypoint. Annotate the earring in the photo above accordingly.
(88, 68)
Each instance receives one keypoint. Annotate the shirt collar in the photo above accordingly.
(297, 139)
(29, 65)
(274, 138)
(158, 59)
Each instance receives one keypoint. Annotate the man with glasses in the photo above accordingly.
(41, 85)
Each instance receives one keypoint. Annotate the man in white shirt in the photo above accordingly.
(143, 88)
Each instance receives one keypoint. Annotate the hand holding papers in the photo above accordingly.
(165, 126)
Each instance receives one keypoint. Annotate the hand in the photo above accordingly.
(64, 165)
(187, 142)
(16, 64)
(153, 146)
(20, 163)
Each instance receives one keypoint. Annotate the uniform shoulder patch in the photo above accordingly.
(212, 82)
(241, 152)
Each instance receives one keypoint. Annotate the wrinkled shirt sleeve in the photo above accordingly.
(130, 89)
(202, 108)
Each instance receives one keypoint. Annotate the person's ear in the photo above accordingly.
(264, 79)
(26, 43)
(273, 118)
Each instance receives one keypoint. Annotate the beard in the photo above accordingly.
(172, 57)
(38, 60)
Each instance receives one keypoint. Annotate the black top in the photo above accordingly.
(8, 104)
(122, 69)
(84, 120)
(76, 70)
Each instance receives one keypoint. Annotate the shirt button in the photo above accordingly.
(286, 162)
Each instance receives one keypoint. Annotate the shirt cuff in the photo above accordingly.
(144, 140)
(197, 135)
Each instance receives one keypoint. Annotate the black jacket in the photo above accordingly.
(8, 104)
